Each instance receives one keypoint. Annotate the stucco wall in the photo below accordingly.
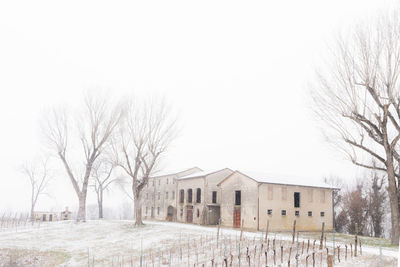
(154, 196)
(316, 200)
(197, 208)
(249, 200)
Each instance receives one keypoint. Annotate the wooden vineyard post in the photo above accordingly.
(322, 236)
(294, 231)
(219, 223)
(329, 260)
(241, 230)
(266, 232)
(355, 242)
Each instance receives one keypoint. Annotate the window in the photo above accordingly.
(284, 193)
(198, 213)
(158, 211)
(166, 195)
(181, 213)
(297, 213)
(190, 193)
(238, 197)
(283, 212)
(269, 212)
(44, 217)
(296, 199)
(173, 194)
(181, 196)
(270, 192)
(310, 214)
(322, 214)
(214, 197)
(167, 180)
(198, 195)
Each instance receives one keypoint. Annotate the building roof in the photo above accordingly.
(202, 173)
(177, 173)
(269, 178)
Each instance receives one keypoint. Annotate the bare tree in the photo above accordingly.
(144, 136)
(39, 176)
(91, 131)
(356, 206)
(357, 97)
(102, 174)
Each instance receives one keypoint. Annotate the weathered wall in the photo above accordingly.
(281, 197)
(249, 200)
(159, 193)
(197, 208)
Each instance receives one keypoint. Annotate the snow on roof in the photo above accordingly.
(173, 172)
(286, 179)
(201, 173)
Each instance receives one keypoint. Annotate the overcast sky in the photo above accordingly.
(236, 71)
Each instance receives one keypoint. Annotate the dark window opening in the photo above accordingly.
(158, 211)
(198, 195)
(238, 197)
(190, 192)
(322, 214)
(182, 196)
(44, 217)
(310, 214)
(214, 197)
(296, 199)
(198, 213)
(269, 212)
(283, 212)
(297, 213)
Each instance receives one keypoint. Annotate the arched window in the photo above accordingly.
(181, 196)
(190, 194)
(198, 195)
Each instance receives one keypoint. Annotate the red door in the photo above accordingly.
(236, 218)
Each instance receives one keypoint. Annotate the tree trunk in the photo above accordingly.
(137, 209)
(393, 197)
(394, 209)
(100, 204)
(82, 208)
(32, 210)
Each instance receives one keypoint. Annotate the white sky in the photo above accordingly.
(237, 71)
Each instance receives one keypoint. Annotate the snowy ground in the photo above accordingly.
(118, 243)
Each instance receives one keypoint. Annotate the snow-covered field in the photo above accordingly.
(118, 243)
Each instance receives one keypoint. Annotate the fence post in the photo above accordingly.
(380, 253)
(141, 251)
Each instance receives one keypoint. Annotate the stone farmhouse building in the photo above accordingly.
(237, 197)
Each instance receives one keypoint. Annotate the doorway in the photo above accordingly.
(189, 215)
(236, 218)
